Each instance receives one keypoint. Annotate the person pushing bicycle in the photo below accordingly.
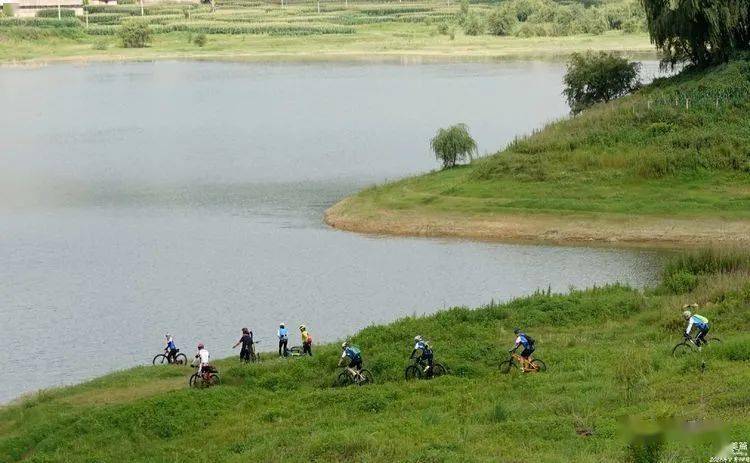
(523, 339)
(246, 352)
(170, 350)
(422, 352)
(306, 340)
(351, 357)
(699, 322)
(204, 360)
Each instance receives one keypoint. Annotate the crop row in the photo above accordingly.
(40, 22)
(213, 27)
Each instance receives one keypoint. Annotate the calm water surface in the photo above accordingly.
(187, 197)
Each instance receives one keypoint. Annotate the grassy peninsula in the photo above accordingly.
(253, 30)
(612, 392)
(669, 164)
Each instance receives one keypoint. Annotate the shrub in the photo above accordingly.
(443, 28)
(474, 25)
(134, 35)
(681, 282)
(501, 22)
(52, 13)
(453, 145)
(598, 77)
(200, 40)
(100, 45)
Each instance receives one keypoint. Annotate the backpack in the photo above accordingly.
(529, 339)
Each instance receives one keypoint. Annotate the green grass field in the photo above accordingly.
(612, 392)
(675, 150)
(260, 30)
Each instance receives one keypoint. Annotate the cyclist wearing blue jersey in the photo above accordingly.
(699, 322)
(283, 335)
(170, 349)
(523, 339)
(351, 357)
(422, 352)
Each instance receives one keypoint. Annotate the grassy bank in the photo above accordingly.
(669, 164)
(609, 372)
(260, 30)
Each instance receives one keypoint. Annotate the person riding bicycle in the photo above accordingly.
(351, 357)
(283, 335)
(698, 321)
(306, 340)
(422, 352)
(170, 349)
(247, 345)
(204, 360)
(523, 339)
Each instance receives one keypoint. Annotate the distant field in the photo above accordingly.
(259, 30)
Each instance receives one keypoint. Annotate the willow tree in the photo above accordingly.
(453, 145)
(702, 32)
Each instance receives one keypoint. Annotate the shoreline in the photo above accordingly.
(539, 228)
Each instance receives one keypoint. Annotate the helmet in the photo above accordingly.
(417, 338)
(345, 344)
(200, 345)
(302, 327)
(687, 314)
(281, 325)
(245, 330)
(167, 335)
(516, 330)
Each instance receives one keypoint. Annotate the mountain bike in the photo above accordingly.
(254, 356)
(209, 377)
(161, 359)
(417, 370)
(688, 345)
(515, 361)
(351, 376)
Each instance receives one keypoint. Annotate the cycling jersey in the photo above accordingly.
(699, 322)
(283, 334)
(306, 338)
(521, 340)
(170, 344)
(423, 348)
(352, 352)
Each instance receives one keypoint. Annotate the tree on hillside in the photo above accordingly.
(453, 145)
(598, 77)
(699, 32)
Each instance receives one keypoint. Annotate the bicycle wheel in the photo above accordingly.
(160, 359)
(682, 349)
(538, 365)
(194, 380)
(412, 372)
(713, 341)
(342, 379)
(367, 378)
(507, 366)
(180, 359)
(438, 369)
(213, 380)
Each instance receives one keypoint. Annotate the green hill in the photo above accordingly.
(668, 164)
(610, 373)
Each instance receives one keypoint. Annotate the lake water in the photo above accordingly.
(187, 197)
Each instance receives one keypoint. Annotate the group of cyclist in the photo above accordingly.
(351, 355)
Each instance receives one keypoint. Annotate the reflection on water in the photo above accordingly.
(187, 197)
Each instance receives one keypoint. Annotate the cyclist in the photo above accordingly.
(204, 358)
(523, 339)
(351, 357)
(247, 345)
(306, 340)
(170, 349)
(423, 352)
(283, 335)
(698, 321)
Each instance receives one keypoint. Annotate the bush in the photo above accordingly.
(200, 40)
(474, 25)
(453, 145)
(598, 77)
(52, 13)
(443, 28)
(100, 44)
(680, 282)
(134, 35)
(501, 22)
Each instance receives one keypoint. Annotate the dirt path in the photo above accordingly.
(612, 230)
